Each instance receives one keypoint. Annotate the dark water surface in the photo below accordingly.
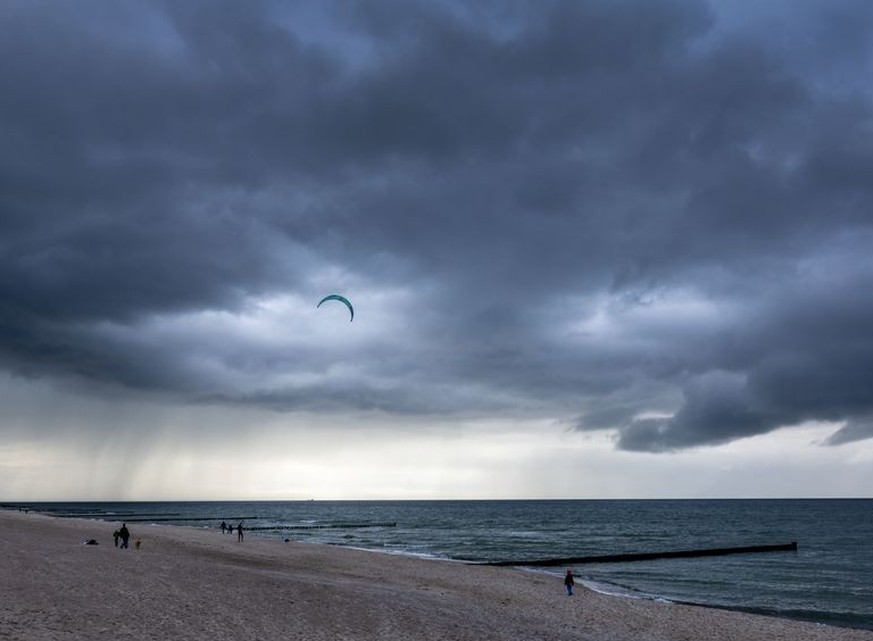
(828, 580)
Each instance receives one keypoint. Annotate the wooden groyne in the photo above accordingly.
(324, 526)
(190, 518)
(116, 516)
(648, 556)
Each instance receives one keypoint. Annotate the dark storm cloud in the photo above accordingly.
(650, 216)
(855, 430)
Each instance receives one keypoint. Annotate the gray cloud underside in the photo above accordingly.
(519, 170)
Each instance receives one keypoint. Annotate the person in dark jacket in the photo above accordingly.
(568, 582)
(124, 533)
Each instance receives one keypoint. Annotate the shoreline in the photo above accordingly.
(618, 591)
(194, 583)
(623, 592)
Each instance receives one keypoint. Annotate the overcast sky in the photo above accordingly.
(595, 249)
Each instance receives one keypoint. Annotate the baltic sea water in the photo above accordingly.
(829, 579)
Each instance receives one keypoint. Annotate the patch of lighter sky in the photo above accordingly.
(625, 324)
(805, 35)
(135, 27)
(643, 416)
(843, 259)
(789, 462)
(319, 25)
(56, 444)
(788, 160)
(220, 453)
(861, 453)
(666, 308)
(209, 342)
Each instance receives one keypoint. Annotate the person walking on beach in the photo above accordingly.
(223, 527)
(239, 534)
(124, 533)
(115, 536)
(568, 582)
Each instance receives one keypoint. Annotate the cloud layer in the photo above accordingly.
(653, 218)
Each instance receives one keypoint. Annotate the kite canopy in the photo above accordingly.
(341, 299)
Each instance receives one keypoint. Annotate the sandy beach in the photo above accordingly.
(191, 583)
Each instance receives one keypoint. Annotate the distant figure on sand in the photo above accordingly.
(115, 536)
(124, 533)
(223, 527)
(568, 582)
(239, 534)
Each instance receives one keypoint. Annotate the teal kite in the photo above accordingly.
(341, 299)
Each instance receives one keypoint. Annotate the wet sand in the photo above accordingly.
(192, 583)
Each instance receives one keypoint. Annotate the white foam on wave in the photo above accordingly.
(610, 589)
(601, 587)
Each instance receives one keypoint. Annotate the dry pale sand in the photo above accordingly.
(188, 583)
